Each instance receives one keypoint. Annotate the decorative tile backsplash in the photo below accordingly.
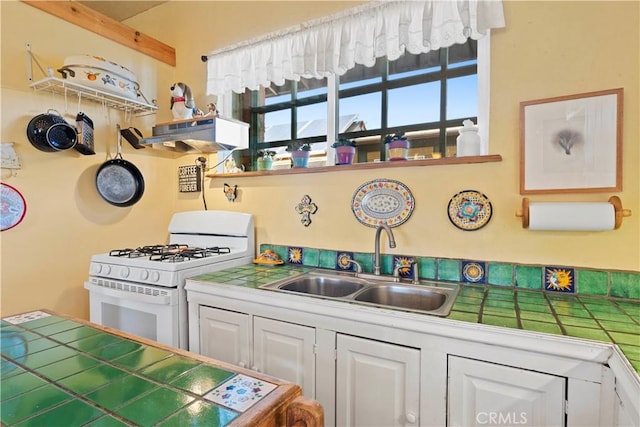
(474, 272)
(344, 261)
(559, 279)
(295, 255)
(550, 278)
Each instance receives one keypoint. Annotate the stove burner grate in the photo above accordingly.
(170, 253)
(145, 251)
(187, 253)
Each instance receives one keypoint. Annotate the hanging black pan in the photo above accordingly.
(119, 182)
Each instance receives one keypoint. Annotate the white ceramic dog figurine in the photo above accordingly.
(182, 104)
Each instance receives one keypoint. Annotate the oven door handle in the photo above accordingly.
(132, 296)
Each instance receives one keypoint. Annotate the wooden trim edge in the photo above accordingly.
(361, 166)
(78, 14)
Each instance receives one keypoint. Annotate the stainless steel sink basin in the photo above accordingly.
(403, 296)
(427, 297)
(323, 286)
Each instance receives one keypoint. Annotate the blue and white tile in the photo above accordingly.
(240, 392)
(26, 317)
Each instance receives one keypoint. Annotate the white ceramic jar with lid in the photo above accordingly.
(468, 142)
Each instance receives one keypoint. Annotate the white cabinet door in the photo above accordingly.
(483, 393)
(623, 416)
(285, 350)
(377, 384)
(225, 335)
(626, 409)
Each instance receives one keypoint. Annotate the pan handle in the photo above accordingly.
(129, 135)
(55, 111)
(119, 144)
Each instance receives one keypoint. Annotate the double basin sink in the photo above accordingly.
(382, 291)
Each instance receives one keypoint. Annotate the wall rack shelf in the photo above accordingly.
(64, 87)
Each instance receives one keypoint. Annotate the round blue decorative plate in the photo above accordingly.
(469, 210)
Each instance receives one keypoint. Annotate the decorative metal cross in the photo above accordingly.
(305, 208)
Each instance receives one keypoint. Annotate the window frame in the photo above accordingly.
(333, 96)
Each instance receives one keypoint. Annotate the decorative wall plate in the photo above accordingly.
(12, 207)
(469, 210)
(382, 201)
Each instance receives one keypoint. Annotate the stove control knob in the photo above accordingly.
(124, 272)
(155, 276)
(144, 274)
(106, 269)
(96, 268)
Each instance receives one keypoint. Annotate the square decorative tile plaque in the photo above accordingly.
(240, 392)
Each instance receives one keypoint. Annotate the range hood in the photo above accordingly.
(199, 135)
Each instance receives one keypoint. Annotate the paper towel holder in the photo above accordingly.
(614, 200)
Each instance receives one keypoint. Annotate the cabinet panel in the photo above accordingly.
(285, 350)
(377, 383)
(225, 335)
(624, 417)
(483, 393)
(626, 412)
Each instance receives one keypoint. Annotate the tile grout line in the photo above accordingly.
(129, 372)
(555, 314)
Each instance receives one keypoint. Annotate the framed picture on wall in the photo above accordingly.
(571, 144)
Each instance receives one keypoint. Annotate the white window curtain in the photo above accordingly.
(335, 44)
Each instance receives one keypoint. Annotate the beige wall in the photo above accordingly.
(547, 49)
(45, 259)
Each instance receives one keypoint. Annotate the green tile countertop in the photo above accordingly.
(57, 369)
(596, 318)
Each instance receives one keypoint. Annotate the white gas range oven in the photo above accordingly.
(141, 290)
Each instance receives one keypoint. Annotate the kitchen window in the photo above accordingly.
(424, 96)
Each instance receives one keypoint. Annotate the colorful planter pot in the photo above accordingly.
(265, 163)
(397, 149)
(344, 154)
(300, 159)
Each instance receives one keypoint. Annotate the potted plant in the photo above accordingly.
(299, 153)
(345, 150)
(397, 146)
(265, 159)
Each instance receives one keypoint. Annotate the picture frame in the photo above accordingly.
(572, 144)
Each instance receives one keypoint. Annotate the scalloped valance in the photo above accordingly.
(335, 44)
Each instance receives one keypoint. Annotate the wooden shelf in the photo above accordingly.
(64, 87)
(361, 166)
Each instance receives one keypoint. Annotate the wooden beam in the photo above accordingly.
(87, 18)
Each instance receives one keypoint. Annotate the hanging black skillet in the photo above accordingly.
(119, 182)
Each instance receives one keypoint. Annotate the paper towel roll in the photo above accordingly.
(575, 216)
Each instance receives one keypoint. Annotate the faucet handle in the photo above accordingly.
(357, 264)
(416, 274)
(412, 262)
(396, 269)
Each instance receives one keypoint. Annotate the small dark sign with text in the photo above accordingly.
(189, 178)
